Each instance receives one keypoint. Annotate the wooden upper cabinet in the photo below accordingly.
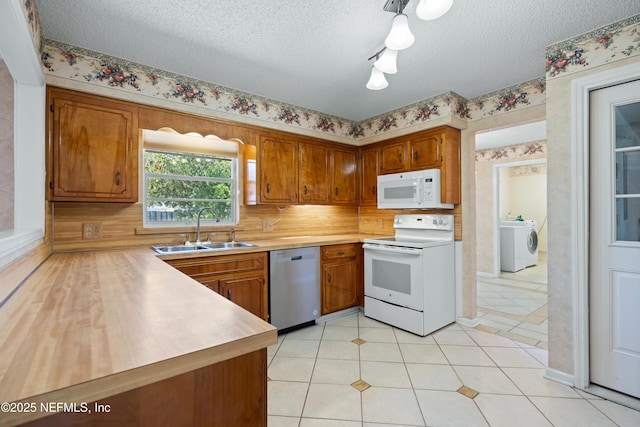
(393, 157)
(450, 168)
(426, 151)
(277, 169)
(344, 176)
(314, 185)
(92, 148)
(369, 176)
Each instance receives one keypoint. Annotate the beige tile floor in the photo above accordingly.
(514, 305)
(354, 371)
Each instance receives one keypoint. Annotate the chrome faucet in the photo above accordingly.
(233, 235)
(198, 223)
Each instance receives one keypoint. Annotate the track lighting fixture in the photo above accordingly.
(400, 37)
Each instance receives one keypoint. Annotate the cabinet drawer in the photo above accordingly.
(223, 264)
(339, 251)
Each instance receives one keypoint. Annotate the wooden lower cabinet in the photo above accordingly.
(232, 393)
(341, 283)
(241, 278)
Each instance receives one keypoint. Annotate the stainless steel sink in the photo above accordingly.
(227, 245)
(179, 248)
(201, 247)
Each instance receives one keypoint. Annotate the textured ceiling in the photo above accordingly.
(314, 54)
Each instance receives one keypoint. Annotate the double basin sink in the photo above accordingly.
(201, 247)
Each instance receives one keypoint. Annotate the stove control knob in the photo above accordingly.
(435, 221)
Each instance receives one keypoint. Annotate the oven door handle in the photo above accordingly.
(393, 249)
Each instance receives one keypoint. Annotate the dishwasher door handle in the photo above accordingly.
(296, 258)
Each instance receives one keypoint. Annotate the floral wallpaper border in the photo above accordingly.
(588, 50)
(516, 151)
(595, 48)
(74, 63)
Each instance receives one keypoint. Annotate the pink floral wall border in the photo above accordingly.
(598, 47)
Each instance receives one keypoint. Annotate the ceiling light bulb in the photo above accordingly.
(377, 80)
(387, 61)
(428, 10)
(400, 36)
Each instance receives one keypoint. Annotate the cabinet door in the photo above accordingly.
(93, 149)
(393, 158)
(278, 166)
(369, 177)
(426, 151)
(344, 177)
(249, 292)
(450, 170)
(339, 286)
(314, 173)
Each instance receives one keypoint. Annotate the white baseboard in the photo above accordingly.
(485, 274)
(559, 376)
(469, 323)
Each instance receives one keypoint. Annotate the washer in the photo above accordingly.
(531, 231)
(513, 248)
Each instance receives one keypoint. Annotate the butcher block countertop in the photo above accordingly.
(88, 325)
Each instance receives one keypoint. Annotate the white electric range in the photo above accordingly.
(410, 277)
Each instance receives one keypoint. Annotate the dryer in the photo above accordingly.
(531, 233)
(518, 245)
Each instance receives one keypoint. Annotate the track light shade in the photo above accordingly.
(387, 61)
(428, 10)
(400, 36)
(377, 80)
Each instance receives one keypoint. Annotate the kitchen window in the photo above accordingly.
(184, 174)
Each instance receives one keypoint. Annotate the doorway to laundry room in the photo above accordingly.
(511, 186)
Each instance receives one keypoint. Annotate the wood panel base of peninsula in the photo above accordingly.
(230, 393)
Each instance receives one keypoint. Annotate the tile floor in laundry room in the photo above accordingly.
(514, 305)
(355, 371)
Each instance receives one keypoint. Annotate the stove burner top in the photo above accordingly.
(419, 231)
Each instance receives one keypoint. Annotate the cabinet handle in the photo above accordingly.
(336, 191)
(229, 295)
(340, 253)
(118, 178)
(373, 190)
(268, 188)
(415, 156)
(305, 189)
(400, 158)
(329, 277)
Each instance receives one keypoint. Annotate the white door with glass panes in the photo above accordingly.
(614, 238)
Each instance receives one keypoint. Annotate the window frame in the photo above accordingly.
(191, 145)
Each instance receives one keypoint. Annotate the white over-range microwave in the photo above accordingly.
(411, 190)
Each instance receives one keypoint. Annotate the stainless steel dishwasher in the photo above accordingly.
(294, 287)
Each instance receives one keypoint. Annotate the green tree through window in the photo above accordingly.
(178, 185)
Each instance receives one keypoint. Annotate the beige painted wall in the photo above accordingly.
(6, 148)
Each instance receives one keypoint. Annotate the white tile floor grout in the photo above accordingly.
(354, 371)
(514, 305)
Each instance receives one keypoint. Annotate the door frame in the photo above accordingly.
(580, 89)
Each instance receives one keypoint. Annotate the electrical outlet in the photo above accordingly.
(92, 230)
(380, 223)
(267, 225)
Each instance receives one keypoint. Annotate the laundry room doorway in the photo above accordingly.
(511, 236)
